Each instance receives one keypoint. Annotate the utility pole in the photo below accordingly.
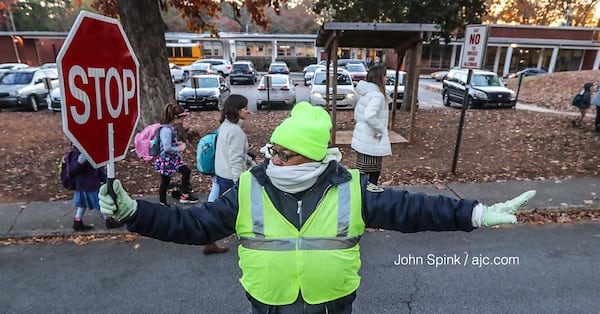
(13, 36)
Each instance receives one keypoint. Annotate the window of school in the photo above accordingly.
(212, 48)
(285, 49)
(251, 49)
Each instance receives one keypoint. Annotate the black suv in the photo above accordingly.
(487, 89)
(242, 71)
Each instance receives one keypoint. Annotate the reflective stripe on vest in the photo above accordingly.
(260, 243)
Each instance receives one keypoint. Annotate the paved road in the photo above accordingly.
(548, 269)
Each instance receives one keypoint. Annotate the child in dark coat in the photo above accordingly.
(87, 183)
(584, 104)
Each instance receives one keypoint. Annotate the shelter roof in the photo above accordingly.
(374, 35)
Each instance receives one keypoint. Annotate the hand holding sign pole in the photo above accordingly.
(99, 84)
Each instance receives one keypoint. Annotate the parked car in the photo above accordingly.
(5, 67)
(53, 100)
(204, 91)
(358, 72)
(438, 75)
(345, 97)
(219, 66)
(309, 72)
(199, 69)
(25, 88)
(177, 73)
(344, 62)
(487, 89)
(528, 72)
(50, 65)
(281, 91)
(278, 67)
(243, 71)
(389, 86)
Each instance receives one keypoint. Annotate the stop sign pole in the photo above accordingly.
(99, 84)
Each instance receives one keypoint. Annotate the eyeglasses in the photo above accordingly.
(282, 156)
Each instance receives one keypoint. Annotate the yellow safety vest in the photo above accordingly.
(321, 259)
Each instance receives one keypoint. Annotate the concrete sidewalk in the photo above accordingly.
(56, 218)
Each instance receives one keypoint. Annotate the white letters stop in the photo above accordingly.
(123, 82)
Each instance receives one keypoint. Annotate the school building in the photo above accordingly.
(509, 49)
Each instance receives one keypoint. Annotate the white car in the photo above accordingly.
(346, 97)
(177, 73)
(309, 72)
(5, 67)
(53, 100)
(219, 66)
(389, 87)
(281, 91)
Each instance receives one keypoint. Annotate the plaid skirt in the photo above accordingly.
(366, 163)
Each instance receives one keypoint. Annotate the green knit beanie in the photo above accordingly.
(306, 131)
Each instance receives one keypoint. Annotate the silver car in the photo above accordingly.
(26, 88)
(275, 89)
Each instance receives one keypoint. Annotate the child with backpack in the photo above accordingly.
(87, 182)
(582, 101)
(170, 160)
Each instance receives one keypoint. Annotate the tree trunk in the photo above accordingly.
(143, 24)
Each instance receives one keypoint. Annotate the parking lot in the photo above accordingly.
(429, 96)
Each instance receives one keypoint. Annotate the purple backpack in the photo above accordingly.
(67, 180)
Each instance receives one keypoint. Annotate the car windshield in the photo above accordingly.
(355, 68)
(204, 82)
(276, 80)
(16, 78)
(342, 79)
(486, 80)
(240, 66)
(278, 67)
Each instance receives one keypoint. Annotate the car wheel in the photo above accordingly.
(33, 102)
(446, 98)
(231, 82)
(471, 104)
(258, 106)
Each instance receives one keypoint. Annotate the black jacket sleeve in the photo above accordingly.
(200, 224)
(400, 210)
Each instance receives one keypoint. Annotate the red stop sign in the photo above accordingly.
(99, 83)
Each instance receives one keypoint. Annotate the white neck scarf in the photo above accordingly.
(298, 178)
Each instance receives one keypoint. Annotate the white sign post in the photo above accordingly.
(472, 57)
(474, 47)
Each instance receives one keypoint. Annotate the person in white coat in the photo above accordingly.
(370, 138)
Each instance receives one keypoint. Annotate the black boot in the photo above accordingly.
(79, 226)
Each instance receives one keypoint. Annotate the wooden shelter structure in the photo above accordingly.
(405, 38)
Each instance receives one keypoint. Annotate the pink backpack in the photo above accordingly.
(143, 141)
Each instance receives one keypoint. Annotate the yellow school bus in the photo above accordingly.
(184, 53)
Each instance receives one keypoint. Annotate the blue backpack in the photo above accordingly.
(205, 153)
